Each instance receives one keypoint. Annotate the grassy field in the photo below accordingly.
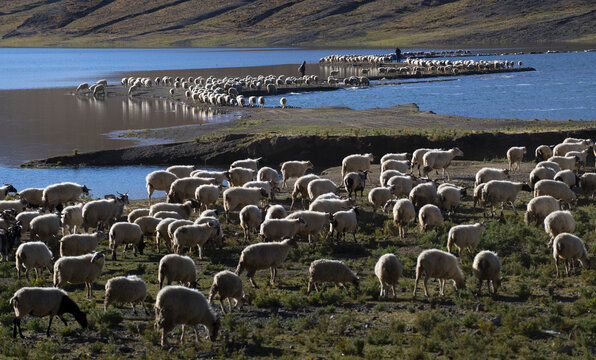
(534, 316)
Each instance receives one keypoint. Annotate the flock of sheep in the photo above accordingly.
(248, 187)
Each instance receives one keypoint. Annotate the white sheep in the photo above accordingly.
(185, 209)
(395, 156)
(219, 176)
(294, 169)
(556, 189)
(80, 244)
(62, 193)
(487, 174)
(185, 188)
(168, 214)
(355, 181)
(563, 148)
(543, 152)
(277, 229)
(330, 271)
(79, 269)
(450, 196)
(269, 174)
(228, 286)
(72, 218)
(429, 217)
(45, 226)
(315, 221)
(148, 225)
(126, 233)
(161, 233)
(388, 270)
(582, 157)
(239, 176)
(207, 195)
(549, 164)
(259, 256)
(100, 213)
(317, 187)
(174, 267)
(181, 171)
(137, 213)
(126, 289)
(439, 159)
(441, 265)
(501, 192)
(568, 177)
(541, 173)
(570, 247)
(252, 164)
(557, 222)
(379, 196)
(33, 196)
(18, 205)
(265, 185)
(402, 166)
(250, 219)
(486, 266)
(587, 182)
(331, 205)
(301, 188)
(403, 213)
(539, 207)
(465, 236)
(418, 158)
(26, 217)
(208, 217)
(343, 222)
(236, 197)
(356, 162)
(515, 156)
(402, 184)
(478, 195)
(188, 236)
(33, 255)
(174, 225)
(275, 212)
(566, 162)
(423, 194)
(179, 305)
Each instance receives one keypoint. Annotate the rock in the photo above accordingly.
(496, 321)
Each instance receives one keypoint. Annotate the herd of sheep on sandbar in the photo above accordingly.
(245, 187)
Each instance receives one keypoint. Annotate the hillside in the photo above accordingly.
(297, 23)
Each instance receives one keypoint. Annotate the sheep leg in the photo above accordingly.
(382, 288)
(16, 323)
(221, 305)
(513, 206)
(567, 266)
(393, 291)
(49, 325)
(182, 336)
(252, 282)
(309, 287)
(557, 266)
(133, 308)
(479, 292)
(200, 252)
(442, 287)
(425, 285)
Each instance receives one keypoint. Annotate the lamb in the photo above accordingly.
(33, 196)
(570, 247)
(343, 222)
(185, 188)
(403, 213)
(423, 194)
(160, 180)
(137, 213)
(38, 301)
(188, 236)
(356, 162)
(439, 159)
(333, 271)
(539, 208)
(126, 289)
(395, 156)
(402, 166)
(379, 196)
(6, 189)
(331, 205)
(161, 233)
(252, 164)
(355, 181)
(219, 176)
(250, 219)
(556, 189)
(45, 227)
(80, 244)
(294, 169)
(179, 305)
(430, 217)
(568, 177)
(502, 191)
(275, 212)
(210, 217)
(388, 270)
(126, 233)
(418, 158)
(277, 229)
(181, 171)
(228, 286)
(262, 256)
(567, 162)
(26, 217)
(450, 196)
(549, 164)
(270, 175)
(557, 222)
(58, 194)
(543, 152)
(265, 185)
(18, 205)
(465, 236)
(79, 269)
(207, 195)
(72, 218)
(587, 182)
(315, 222)
(33, 255)
(185, 209)
(238, 196)
(541, 173)
(301, 188)
(487, 174)
(317, 187)
(441, 265)
(486, 266)
(174, 267)
(515, 156)
(239, 176)
(7, 240)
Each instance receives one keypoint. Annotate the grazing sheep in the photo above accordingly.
(556, 189)
(277, 229)
(418, 158)
(539, 207)
(104, 212)
(487, 174)
(563, 148)
(301, 188)
(317, 187)
(568, 177)
(219, 176)
(343, 222)
(207, 195)
(181, 171)
(26, 217)
(174, 225)
(179, 305)
(8, 239)
(557, 222)
(430, 217)
(315, 221)
(185, 188)
(441, 265)
(275, 212)
(148, 225)
(355, 181)
(549, 164)
(294, 169)
(250, 219)
(502, 191)
(80, 244)
(126, 233)
(126, 289)
(402, 184)
(356, 162)
(174, 267)
(79, 269)
(478, 195)
(239, 176)
(33, 255)
(185, 209)
(160, 180)
(465, 237)
(515, 156)
(423, 194)
(439, 159)
(570, 247)
(240, 197)
(403, 213)
(395, 156)
(379, 197)
(188, 236)
(450, 196)
(38, 301)
(587, 182)
(168, 214)
(18, 205)
(45, 227)
(486, 266)
(268, 174)
(388, 270)
(333, 271)
(543, 152)
(63, 193)
(541, 173)
(72, 219)
(578, 141)
(137, 213)
(262, 256)
(402, 166)
(582, 157)
(228, 286)
(331, 205)
(265, 185)
(252, 164)
(567, 162)
(33, 196)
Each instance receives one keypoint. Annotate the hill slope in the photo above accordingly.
(304, 23)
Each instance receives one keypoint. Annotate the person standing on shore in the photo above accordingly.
(302, 68)
(397, 54)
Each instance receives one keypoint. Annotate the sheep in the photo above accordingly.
(207, 195)
(239, 176)
(294, 169)
(252, 164)
(301, 188)
(315, 223)
(45, 227)
(379, 196)
(402, 184)
(185, 209)
(265, 185)
(549, 164)
(582, 157)
(219, 176)
(356, 162)
(502, 191)
(556, 189)
(148, 224)
(137, 213)
(38, 301)
(569, 247)
(329, 196)
(185, 188)
(568, 177)
(395, 156)
(403, 166)
(587, 182)
(543, 152)
(539, 207)
(429, 217)
(571, 140)
(418, 158)
(465, 236)
(478, 195)
(174, 267)
(283, 101)
(58, 194)
(33, 255)
(82, 87)
(181, 171)
(26, 217)
(450, 196)
(388, 270)
(557, 222)
(566, 162)
(541, 173)
(403, 213)
(486, 266)
(126, 233)
(179, 305)
(262, 256)
(228, 286)
(104, 212)
(343, 222)
(161, 233)
(355, 181)
(317, 187)
(238, 196)
(563, 148)
(79, 269)
(168, 214)
(174, 225)
(160, 180)
(333, 271)
(126, 289)
(72, 218)
(440, 265)
(80, 244)
(8, 239)
(275, 212)
(514, 156)
(33, 196)
(439, 159)
(277, 229)
(250, 219)
(487, 174)
(331, 205)
(18, 205)
(268, 174)
(188, 236)
(423, 194)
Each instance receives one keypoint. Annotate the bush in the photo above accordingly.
(265, 299)
(326, 297)
(109, 318)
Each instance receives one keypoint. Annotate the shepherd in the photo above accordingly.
(302, 68)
